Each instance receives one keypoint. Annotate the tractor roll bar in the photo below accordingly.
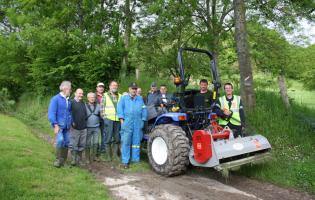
(213, 66)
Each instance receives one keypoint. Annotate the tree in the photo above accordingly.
(271, 53)
(246, 76)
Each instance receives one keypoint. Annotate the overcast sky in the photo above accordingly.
(303, 35)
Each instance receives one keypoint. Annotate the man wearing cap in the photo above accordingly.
(100, 92)
(132, 113)
(153, 95)
(111, 122)
(100, 87)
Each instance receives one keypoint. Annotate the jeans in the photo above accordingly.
(62, 138)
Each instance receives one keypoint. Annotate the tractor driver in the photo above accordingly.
(205, 92)
(164, 98)
(231, 111)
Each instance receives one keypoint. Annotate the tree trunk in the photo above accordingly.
(246, 75)
(80, 15)
(127, 34)
(283, 90)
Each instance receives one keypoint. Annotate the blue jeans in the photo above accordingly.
(62, 138)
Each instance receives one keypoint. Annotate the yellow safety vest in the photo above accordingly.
(235, 108)
(110, 112)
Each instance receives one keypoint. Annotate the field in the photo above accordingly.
(26, 169)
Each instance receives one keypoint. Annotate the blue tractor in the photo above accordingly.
(185, 131)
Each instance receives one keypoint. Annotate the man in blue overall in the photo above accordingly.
(59, 115)
(132, 113)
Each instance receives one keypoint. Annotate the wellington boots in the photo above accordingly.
(64, 155)
(116, 153)
(80, 161)
(59, 160)
(87, 153)
(74, 157)
(107, 156)
(94, 156)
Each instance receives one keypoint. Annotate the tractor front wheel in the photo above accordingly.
(168, 149)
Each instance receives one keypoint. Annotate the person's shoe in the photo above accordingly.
(80, 161)
(87, 153)
(124, 166)
(106, 157)
(59, 161)
(74, 158)
(64, 155)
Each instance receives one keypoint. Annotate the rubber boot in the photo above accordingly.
(107, 157)
(74, 158)
(59, 161)
(115, 149)
(87, 153)
(94, 153)
(64, 155)
(80, 161)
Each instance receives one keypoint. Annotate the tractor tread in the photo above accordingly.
(178, 150)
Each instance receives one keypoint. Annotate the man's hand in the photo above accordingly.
(227, 112)
(56, 129)
(121, 121)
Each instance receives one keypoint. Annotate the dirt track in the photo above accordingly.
(148, 185)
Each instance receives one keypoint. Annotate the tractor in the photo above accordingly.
(186, 132)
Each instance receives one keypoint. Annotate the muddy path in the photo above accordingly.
(148, 185)
(193, 185)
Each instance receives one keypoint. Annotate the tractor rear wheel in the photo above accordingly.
(168, 149)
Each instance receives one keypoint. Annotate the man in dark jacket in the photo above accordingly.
(59, 115)
(78, 131)
(164, 98)
(152, 95)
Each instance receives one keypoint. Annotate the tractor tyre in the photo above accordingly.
(168, 149)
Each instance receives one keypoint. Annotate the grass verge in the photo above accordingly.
(292, 139)
(26, 169)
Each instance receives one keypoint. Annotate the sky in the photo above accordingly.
(303, 35)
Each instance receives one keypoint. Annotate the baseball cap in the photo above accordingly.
(100, 84)
(133, 85)
(153, 84)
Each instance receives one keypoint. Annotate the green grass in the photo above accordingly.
(292, 140)
(301, 96)
(26, 169)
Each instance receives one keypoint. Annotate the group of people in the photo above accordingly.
(118, 119)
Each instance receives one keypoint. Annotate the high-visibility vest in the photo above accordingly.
(235, 108)
(110, 112)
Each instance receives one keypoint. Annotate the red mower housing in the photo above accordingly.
(202, 146)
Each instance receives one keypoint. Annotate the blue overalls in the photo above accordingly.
(134, 113)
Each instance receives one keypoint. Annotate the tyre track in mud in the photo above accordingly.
(148, 185)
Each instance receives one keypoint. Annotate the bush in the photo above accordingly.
(6, 104)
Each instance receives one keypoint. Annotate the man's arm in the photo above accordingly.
(120, 109)
(52, 111)
(52, 114)
(102, 106)
(144, 114)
